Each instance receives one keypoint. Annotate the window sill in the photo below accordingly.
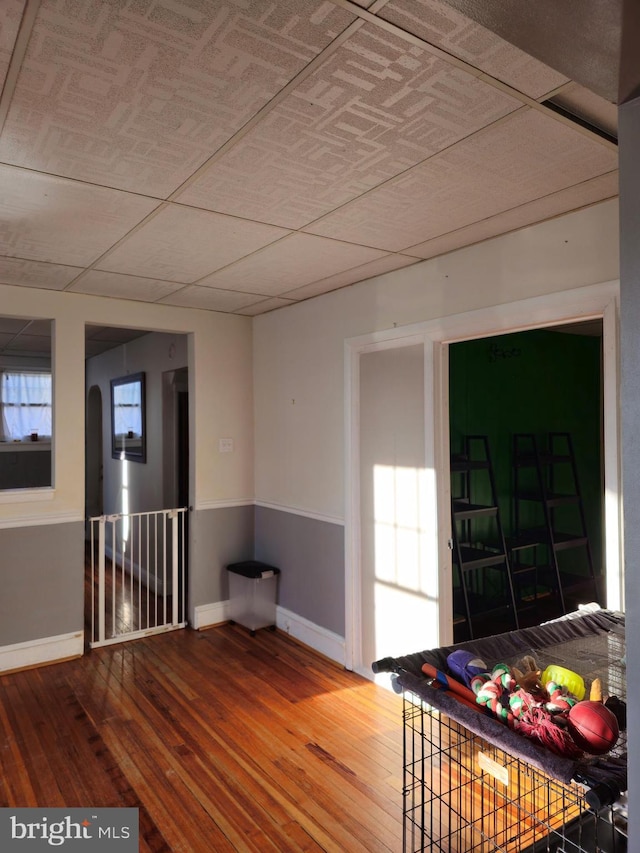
(20, 446)
(46, 493)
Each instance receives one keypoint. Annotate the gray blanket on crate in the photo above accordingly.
(545, 643)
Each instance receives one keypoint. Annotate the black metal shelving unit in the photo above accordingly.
(549, 521)
(483, 588)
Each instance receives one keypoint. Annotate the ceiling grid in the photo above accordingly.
(244, 156)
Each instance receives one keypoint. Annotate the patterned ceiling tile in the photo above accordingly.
(573, 198)
(10, 17)
(264, 305)
(527, 156)
(297, 260)
(375, 107)
(334, 282)
(209, 298)
(36, 274)
(137, 95)
(45, 218)
(440, 25)
(120, 286)
(182, 244)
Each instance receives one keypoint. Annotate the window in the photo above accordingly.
(25, 405)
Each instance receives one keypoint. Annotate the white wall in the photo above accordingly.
(220, 393)
(299, 350)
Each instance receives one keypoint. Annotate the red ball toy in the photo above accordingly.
(593, 727)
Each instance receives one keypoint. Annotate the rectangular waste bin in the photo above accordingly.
(252, 594)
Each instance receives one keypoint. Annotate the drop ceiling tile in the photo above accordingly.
(138, 95)
(12, 325)
(524, 157)
(116, 285)
(295, 261)
(183, 244)
(39, 327)
(440, 25)
(92, 348)
(590, 192)
(375, 107)
(29, 343)
(209, 298)
(112, 334)
(264, 305)
(36, 274)
(45, 218)
(325, 285)
(11, 12)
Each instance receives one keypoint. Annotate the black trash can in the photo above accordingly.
(253, 588)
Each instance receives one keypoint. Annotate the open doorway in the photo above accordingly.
(526, 438)
(433, 535)
(137, 476)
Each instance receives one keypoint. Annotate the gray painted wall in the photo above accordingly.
(219, 537)
(629, 124)
(42, 582)
(310, 555)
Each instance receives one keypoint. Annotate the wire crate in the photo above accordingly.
(461, 794)
(472, 785)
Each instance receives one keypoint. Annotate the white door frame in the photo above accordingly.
(591, 302)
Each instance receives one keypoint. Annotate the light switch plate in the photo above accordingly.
(225, 445)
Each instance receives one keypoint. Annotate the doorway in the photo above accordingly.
(525, 413)
(137, 475)
(588, 303)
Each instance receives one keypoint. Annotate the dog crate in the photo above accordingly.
(473, 785)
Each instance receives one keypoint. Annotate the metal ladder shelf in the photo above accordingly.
(549, 519)
(478, 543)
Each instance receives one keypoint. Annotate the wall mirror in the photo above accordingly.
(128, 418)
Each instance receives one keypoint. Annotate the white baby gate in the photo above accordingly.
(138, 575)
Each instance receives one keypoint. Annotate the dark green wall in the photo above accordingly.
(532, 382)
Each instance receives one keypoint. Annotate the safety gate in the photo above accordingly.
(138, 575)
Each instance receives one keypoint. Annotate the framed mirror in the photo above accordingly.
(128, 418)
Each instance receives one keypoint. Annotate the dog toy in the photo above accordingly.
(528, 677)
(593, 727)
(566, 678)
(465, 665)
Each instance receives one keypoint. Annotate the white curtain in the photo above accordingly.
(25, 402)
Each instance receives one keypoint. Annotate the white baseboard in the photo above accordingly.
(38, 652)
(326, 642)
(208, 615)
(320, 639)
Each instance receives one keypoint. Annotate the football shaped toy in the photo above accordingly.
(593, 727)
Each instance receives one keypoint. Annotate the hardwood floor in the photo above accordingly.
(223, 741)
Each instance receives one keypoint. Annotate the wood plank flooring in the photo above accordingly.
(223, 741)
